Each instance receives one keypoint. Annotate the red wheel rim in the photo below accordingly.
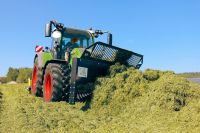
(34, 80)
(48, 88)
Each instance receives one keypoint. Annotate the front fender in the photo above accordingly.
(76, 53)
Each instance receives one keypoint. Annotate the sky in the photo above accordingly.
(166, 32)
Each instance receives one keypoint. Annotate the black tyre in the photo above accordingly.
(55, 82)
(66, 81)
(36, 87)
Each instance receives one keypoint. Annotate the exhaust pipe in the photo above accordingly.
(109, 39)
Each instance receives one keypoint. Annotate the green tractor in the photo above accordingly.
(74, 59)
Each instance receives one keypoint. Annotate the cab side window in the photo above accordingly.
(84, 43)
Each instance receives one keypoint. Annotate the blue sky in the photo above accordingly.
(166, 32)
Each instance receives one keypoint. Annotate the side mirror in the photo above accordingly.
(109, 41)
(48, 30)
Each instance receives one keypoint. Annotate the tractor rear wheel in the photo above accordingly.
(54, 84)
(36, 87)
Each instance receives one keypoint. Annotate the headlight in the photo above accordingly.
(56, 35)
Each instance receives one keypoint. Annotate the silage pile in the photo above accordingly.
(152, 100)
(124, 86)
(126, 100)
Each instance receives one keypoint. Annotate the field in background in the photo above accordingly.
(196, 80)
(127, 100)
(190, 74)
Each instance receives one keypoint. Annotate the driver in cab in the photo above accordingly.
(72, 44)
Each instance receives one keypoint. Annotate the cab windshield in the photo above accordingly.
(81, 42)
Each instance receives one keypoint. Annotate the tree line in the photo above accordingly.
(20, 75)
(190, 74)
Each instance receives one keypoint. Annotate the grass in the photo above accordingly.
(127, 100)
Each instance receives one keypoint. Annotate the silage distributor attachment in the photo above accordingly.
(95, 62)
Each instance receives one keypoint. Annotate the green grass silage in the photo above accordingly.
(127, 100)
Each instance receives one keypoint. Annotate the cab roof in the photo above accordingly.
(73, 32)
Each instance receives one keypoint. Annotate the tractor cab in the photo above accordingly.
(74, 42)
(82, 38)
(69, 39)
(69, 43)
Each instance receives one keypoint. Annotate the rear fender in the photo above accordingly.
(43, 58)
